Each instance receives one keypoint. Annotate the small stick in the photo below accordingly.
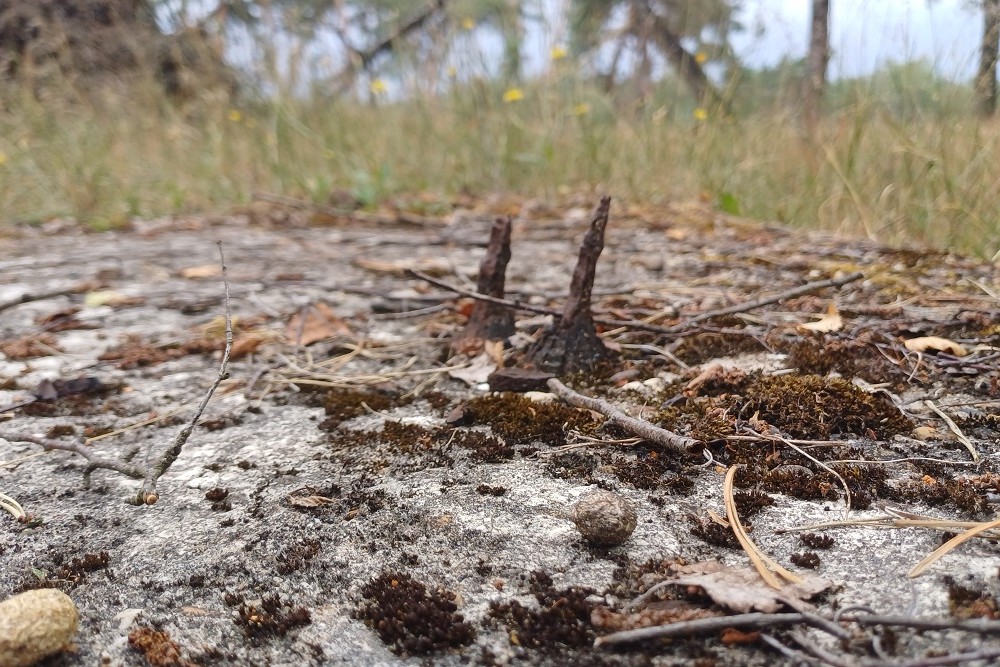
(148, 493)
(678, 443)
(758, 620)
(95, 460)
(26, 298)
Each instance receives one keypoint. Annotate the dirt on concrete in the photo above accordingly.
(355, 494)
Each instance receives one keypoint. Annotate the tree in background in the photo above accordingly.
(686, 33)
(818, 60)
(986, 80)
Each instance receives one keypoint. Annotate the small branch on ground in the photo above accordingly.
(491, 320)
(39, 296)
(678, 443)
(677, 329)
(150, 473)
(572, 344)
(148, 493)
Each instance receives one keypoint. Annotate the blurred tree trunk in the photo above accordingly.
(819, 58)
(684, 63)
(986, 80)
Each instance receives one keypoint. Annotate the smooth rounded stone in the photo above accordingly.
(604, 518)
(34, 625)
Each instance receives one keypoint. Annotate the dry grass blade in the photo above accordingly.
(950, 545)
(8, 504)
(764, 565)
(956, 430)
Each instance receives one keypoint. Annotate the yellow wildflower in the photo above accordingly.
(468, 23)
(513, 95)
(700, 114)
(452, 72)
(581, 109)
(558, 53)
(235, 116)
(3, 158)
(701, 57)
(377, 86)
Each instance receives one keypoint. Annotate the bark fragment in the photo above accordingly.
(488, 320)
(572, 344)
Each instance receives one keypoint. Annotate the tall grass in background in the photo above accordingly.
(895, 160)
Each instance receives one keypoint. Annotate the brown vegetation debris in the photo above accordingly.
(271, 617)
(157, 647)
(816, 540)
(519, 420)
(869, 356)
(343, 404)
(135, 353)
(32, 345)
(967, 603)
(409, 618)
(806, 559)
(562, 619)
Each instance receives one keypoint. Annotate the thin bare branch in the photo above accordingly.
(148, 493)
(678, 443)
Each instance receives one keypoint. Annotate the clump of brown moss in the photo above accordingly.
(561, 620)
(411, 619)
(704, 347)
(157, 647)
(801, 406)
(271, 617)
(860, 357)
(343, 404)
(519, 420)
(967, 603)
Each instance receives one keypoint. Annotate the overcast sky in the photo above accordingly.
(865, 34)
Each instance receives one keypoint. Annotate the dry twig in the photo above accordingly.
(150, 473)
(678, 443)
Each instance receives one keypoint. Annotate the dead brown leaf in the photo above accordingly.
(315, 323)
(831, 321)
(742, 590)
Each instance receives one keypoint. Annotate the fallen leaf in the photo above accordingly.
(203, 271)
(320, 322)
(477, 372)
(831, 321)
(935, 344)
(309, 501)
(742, 590)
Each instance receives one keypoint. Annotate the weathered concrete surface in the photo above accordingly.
(172, 565)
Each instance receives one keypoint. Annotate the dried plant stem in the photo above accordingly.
(757, 620)
(678, 443)
(769, 569)
(148, 493)
(150, 473)
(950, 545)
(956, 430)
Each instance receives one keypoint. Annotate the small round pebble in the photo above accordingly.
(35, 624)
(605, 519)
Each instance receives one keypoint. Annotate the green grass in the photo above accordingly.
(914, 178)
